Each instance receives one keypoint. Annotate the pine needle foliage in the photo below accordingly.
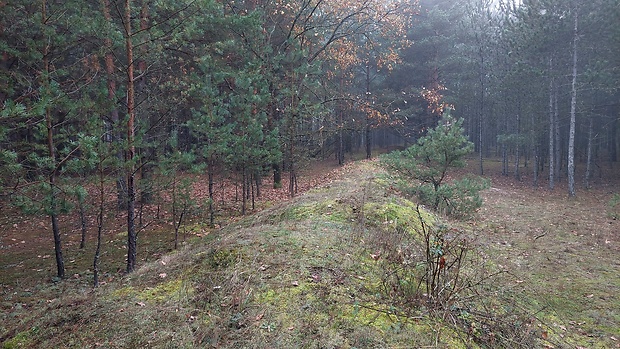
(425, 169)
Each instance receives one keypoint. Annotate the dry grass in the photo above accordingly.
(565, 252)
(306, 273)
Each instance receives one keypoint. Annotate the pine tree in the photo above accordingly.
(423, 169)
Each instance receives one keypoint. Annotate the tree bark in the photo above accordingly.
(573, 112)
(556, 128)
(589, 154)
(210, 174)
(100, 217)
(551, 128)
(113, 131)
(368, 120)
(148, 151)
(518, 145)
(82, 209)
(51, 147)
(340, 142)
(481, 119)
(129, 157)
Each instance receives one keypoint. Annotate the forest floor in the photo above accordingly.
(567, 251)
(562, 257)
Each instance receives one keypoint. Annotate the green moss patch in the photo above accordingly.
(173, 290)
(400, 215)
(22, 339)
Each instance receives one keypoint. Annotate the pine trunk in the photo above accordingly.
(210, 174)
(556, 129)
(100, 217)
(51, 147)
(82, 209)
(517, 172)
(131, 194)
(113, 131)
(589, 154)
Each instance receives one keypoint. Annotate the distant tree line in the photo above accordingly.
(536, 81)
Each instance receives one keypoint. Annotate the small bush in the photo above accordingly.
(435, 271)
(423, 169)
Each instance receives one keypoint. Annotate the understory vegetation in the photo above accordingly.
(424, 170)
(350, 264)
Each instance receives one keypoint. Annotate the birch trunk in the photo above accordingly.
(573, 112)
(551, 128)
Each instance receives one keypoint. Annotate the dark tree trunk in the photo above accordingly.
(210, 171)
(517, 172)
(51, 147)
(536, 164)
(252, 180)
(82, 210)
(244, 188)
(340, 146)
(271, 120)
(60, 262)
(147, 170)
(100, 217)
(558, 143)
(277, 176)
(113, 131)
(148, 152)
(130, 155)
(589, 153)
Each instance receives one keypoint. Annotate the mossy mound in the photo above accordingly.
(302, 275)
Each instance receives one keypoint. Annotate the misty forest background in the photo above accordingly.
(130, 95)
